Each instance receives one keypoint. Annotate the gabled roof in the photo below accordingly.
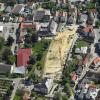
(39, 15)
(17, 8)
(23, 57)
(4, 68)
(27, 25)
(92, 10)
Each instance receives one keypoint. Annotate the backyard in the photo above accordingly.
(39, 51)
(81, 43)
(5, 88)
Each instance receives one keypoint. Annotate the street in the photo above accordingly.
(16, 81)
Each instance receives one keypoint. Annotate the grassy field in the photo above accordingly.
(81, 43)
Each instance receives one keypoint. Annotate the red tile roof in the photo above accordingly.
(23, 57)
(88, 29)
(96, 60)
(92, 10)
(74, 76)
(85, 60)
(27, 25)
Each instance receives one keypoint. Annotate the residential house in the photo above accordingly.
(60, 17)
(87, 34)
(96, 64)
(92, 92)
(27, 10)
(31, 5)
(26, 95)
(92, 12)
(20, 19)
(62, 1)
(3, 32)
(23, 57)
(87, 89)
(6, 18)
(43, 32)
(44, 87)
(79, 70)
(21, 1)
(23, 30)
(98, 96)
(4, 69)
(74, 76)
(18, 9)
(82, 50)
(53, 27)
(1, 29)
(41, 16)
(86, 59)
(92, 76)
(97, 48)
(8, 9)
(28, 19)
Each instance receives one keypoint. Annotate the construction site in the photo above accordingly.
(58, 52)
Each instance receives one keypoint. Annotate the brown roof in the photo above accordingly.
(17, 8)
(27, 25)
(88, 29)
(92, 10)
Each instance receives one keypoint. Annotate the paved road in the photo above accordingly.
(16, 81)
(97, 35)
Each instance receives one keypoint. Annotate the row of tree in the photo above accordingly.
(6, 54)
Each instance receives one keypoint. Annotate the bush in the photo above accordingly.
(97, 24)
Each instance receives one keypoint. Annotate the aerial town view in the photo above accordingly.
(49, 49)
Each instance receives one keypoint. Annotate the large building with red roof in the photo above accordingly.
(23, 57)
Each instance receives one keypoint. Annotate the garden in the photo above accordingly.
(5, 88)
(39, 50)
(81, 43)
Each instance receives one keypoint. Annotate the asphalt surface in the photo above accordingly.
(16, 81)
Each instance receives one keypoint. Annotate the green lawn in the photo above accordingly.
(17, 97)
(90, 5)
(81, 43)
(39, 51)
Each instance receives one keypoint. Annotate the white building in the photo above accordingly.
(53, 27)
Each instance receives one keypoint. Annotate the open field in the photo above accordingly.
(58, 51)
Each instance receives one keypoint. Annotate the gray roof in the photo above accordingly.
(79, 70)
(39, 15)
(4, 68)
(70, 19)
(8, 9)
(17, 8)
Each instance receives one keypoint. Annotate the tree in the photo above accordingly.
(2, 42)
(7, 56)
(34, 37)
(10, 41)
(30, 38)
(97, 24)
(68, 89)
(11, 59)
(32, 59)
(60, 96)
(39, 56)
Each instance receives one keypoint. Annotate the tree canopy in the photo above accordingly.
(2, 42)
